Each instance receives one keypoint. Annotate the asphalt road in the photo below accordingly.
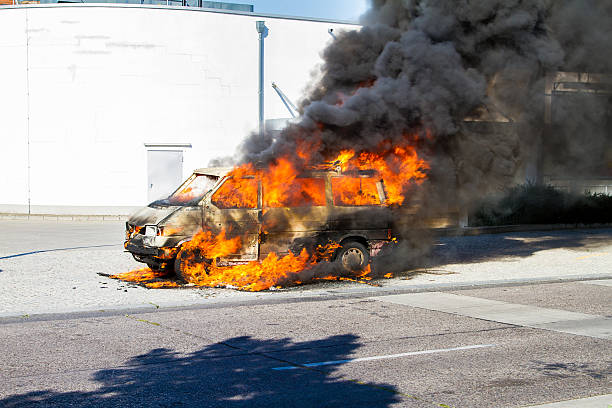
(430, 337)
(307, 354)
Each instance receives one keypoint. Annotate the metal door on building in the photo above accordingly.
(165, 172)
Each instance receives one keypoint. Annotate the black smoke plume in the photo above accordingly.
(424, 66)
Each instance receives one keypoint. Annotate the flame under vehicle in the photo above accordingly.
(315, 208)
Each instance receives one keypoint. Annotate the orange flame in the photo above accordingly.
(149, 278)
(139, 275)
(252, 276)
(238, 192)
(355, 191)
(282, 188)
(213, 246)
(397, 167)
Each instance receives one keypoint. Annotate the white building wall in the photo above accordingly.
(13, 110)
(89, 85)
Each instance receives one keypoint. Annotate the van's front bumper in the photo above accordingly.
(163, 247)
(142, 250)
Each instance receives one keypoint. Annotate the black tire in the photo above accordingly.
(179, 266)
(179, 269)
(353, 257)
(165, 267)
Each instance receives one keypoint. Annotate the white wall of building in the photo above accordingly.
(87, 86)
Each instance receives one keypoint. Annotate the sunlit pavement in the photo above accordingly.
(52, 267)
(420, 340)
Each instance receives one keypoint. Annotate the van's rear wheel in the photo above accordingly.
(353, 256)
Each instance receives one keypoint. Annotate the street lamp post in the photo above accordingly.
(263, 33)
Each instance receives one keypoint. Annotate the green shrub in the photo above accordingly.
(541, 204)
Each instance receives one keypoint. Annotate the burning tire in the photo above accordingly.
(156, 265)
(189, 264)
(353, 256)
(180, 266)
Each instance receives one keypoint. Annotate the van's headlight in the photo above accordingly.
(150, 231)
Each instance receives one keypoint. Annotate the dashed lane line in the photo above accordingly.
(391, 390)
(354, 360)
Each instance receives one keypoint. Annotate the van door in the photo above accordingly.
(295, 215)
(236, 207)
(358, 207)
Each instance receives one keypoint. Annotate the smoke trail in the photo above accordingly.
(424, 66)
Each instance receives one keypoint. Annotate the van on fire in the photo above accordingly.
(342, 212)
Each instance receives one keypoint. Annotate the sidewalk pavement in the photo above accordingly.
(64, 279)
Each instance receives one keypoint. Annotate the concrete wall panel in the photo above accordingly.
(13, 109)
(106, 79)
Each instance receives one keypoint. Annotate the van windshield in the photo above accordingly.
(191, 191)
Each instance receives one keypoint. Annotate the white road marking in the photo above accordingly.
(503, 312)
(592, 402)
(602, 282)
(412, 353)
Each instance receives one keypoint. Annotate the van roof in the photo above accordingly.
(213, 171)
(222, 171)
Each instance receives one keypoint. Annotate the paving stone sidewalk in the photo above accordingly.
(53, 267)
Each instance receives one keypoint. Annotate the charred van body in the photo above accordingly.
(320, 207)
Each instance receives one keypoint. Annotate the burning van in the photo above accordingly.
(237, 217)
(155, 232)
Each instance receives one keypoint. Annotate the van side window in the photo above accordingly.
(301, 192)
(236, 193)
(355, 191)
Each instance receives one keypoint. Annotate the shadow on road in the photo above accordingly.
(485, 248)
(238, 372)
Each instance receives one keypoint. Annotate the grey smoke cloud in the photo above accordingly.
(423, 66)
(430, 63)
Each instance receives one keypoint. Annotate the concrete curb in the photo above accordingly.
(288, 297)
